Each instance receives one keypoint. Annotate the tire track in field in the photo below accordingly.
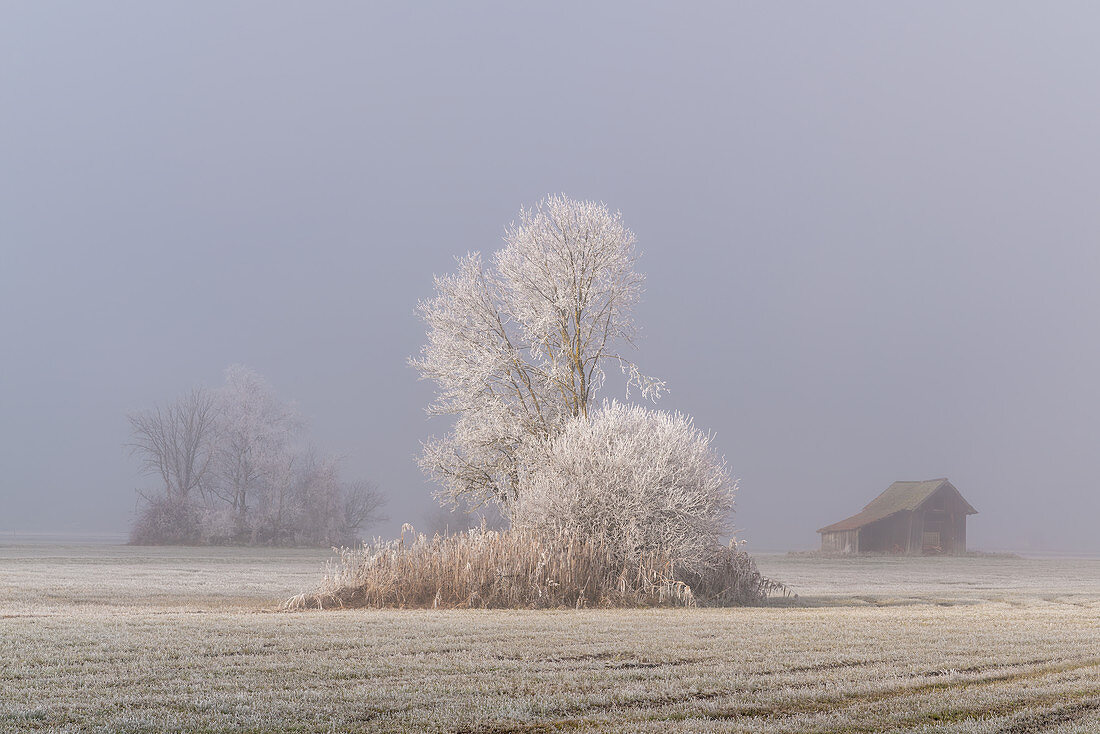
(1039, 720)
(1084, 702)
(832, 703)
(1056, 716)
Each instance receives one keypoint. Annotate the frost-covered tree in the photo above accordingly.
(282, 501)
(518, 346)
(255, 431)
(637, 478)
(306, 502)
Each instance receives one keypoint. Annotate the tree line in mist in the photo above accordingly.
(234, 466)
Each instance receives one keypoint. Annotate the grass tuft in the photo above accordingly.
(524, 569)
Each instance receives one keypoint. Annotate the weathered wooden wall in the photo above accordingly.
(888, 535)
(844, 541)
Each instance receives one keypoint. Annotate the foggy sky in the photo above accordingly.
(870, 233)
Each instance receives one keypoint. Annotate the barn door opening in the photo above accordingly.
(937, 537)
(931, 542)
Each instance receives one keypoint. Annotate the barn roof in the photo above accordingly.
(898, 497)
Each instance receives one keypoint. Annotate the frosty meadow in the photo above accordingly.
(129, 639)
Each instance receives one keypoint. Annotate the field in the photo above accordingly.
(110, 638)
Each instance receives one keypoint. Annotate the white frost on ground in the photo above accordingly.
(138, 639)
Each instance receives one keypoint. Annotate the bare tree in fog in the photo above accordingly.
(236, 471)
(304, 502)
(362, 501)
(255, 429)
(176, 442)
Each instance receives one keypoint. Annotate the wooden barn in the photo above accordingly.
(909, 517)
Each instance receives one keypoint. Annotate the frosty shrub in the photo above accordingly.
(519, 568)
(642, 480)
(167, 520)
(624, 508)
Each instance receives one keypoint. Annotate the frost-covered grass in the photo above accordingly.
(530, 569)
(136, 639)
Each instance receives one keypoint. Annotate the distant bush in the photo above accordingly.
(307, 513)
(527, 569)
(165, 520)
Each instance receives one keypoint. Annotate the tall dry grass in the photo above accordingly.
(484, 568)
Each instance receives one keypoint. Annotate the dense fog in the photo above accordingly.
(870, 247)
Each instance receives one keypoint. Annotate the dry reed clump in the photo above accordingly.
(522, 569)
